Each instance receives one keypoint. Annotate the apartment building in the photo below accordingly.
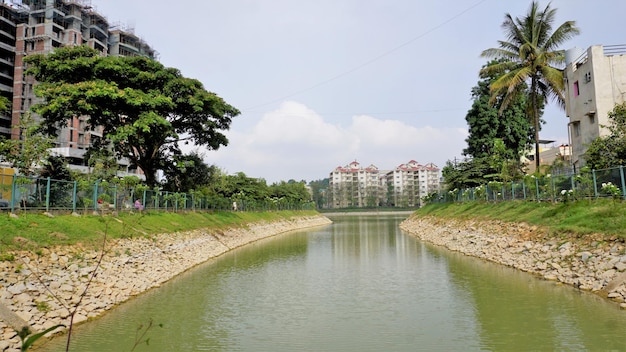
(404, 186)
(595, 82)
(408, 183)
(354, 186)
(38, 27)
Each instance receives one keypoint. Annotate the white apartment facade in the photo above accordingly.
(404, 186)
(408, 183)
(354, 186)
(595, 82)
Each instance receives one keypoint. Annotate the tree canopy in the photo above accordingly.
(144, 109)
(531, 56)
(487, 122)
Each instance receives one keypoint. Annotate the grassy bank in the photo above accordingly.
(32, 231)
(601, 216)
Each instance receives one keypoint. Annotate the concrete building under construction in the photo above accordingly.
(38, 27)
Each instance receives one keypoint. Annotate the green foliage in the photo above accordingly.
(489, 123)
(319, 190)
(28, 338)
(102, 163)
(531, 57)
(611, 190)
(142, 107)
(467, 173)
(5, 104)
(189, 172)
(610, 151)
(27, 152)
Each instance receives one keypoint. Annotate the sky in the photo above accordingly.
(322, 83)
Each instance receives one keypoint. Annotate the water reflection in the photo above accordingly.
(517, 310)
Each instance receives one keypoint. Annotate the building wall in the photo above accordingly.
(38, 27)
(354, 186)
(404, 186)
(595, 83)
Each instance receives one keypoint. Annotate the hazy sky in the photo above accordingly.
(321, 83)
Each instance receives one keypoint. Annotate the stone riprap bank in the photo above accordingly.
(129, 267)
(591, 265)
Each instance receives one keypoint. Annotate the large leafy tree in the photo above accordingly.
(144, 109)
(531, 56)
(487, 122)
(610, 151)
(190, 172)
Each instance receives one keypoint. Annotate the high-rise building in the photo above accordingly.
(404, 186)
(38, 27)
(408, 183)
(354, 186)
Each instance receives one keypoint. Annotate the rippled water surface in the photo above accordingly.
(359, 284)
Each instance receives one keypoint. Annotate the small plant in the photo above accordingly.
(611, 190)
(28, 338)
(453, 193)
(42, 306)
(567, 195)
(8, 257)
(480, 192)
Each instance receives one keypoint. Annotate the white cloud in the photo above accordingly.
(295, 142)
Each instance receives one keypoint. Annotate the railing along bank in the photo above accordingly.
(32, 193)
(584, 185)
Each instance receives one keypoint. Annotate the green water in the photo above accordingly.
(359, 284)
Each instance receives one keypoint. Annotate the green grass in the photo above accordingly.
(602, 216)
(33, 231)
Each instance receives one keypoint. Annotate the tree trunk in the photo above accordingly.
(535, 117)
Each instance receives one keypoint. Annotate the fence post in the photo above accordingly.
(74, 195)
(621, 174)
(595, 185)
(95, 195)
(115, 197)
(48, 194)
(524, 189)
(512, 190)
(143, 198)
(13, 191)
(573, 184)
(552, 188)
(537, 187)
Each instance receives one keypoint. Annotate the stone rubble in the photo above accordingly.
(129, 267)
(590, 263)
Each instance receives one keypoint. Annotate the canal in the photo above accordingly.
(359, 284)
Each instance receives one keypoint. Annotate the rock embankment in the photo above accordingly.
(592, 263)
(43, 288)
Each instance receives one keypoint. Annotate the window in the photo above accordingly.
(576, 128)
(576, 89)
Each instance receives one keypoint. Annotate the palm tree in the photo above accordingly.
(531, 55)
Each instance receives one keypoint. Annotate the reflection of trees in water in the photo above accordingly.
(516, 310)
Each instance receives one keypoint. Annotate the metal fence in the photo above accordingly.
(583, 185)
(45, 194)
